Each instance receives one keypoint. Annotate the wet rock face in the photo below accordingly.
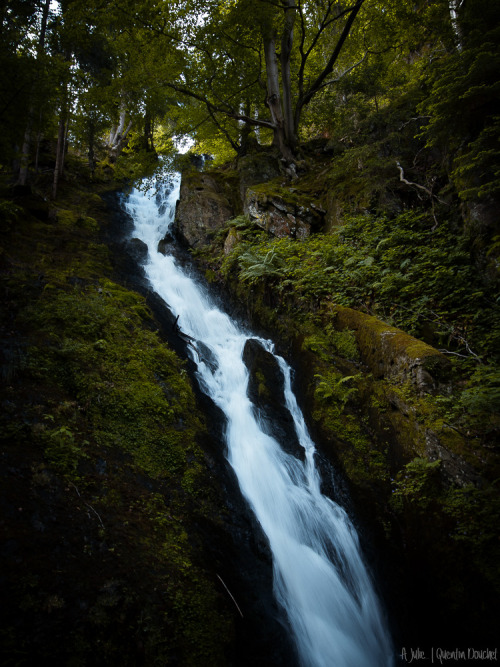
(266, 391)
(138, 250)
(202, 208)
(280, 215)
(164, 243)
(257, 168)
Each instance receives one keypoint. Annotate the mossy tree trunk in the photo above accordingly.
(25, 151)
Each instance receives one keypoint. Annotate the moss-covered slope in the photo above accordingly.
(105, 492)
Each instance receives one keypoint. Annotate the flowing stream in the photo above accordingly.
(320, 578)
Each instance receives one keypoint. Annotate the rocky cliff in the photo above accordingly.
(373, 394)
(123, 538)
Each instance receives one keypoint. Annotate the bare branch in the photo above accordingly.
(233, 144)
(230, 595)
(325, 22)
(344, 73)
(416, 185)
(214, 107)
(411, 120)
(318, 83)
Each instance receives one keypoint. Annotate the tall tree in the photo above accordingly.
(25, 151)
(22, 69)
(243, 51)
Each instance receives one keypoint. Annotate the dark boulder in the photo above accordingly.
(137, 250)
(201, 210)
(257, 168)
(165, 242)
(266, 391)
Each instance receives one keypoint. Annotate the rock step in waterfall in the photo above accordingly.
(320, 578)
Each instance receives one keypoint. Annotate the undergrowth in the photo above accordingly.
(101, 432)
(404, 270)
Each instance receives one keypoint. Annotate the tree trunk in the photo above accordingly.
(273, 96)
(91, 151)
(453, 6)
(38, 141)
(115, 136)
(59, 155)
(64, 147)
(117, 139)
(25, 151)
(286, 77)
(246, 129)
(117, 147)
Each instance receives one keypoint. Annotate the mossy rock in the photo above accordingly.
(101, 440)
(233, 237)
(203, 208)
(66, 218)
(257, 168)
(282, 211)
(393, 354)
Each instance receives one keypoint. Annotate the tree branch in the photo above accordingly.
(230, 595)
(341, 76)
(317, 84)
(416, 185)
(214, 107)
(304, 55)
(233, 144)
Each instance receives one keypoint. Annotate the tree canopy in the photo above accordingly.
(231, 73)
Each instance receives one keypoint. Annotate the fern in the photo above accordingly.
(255, 266)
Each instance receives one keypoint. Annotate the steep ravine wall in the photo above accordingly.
(408, 368)
(372, 411)
(122, 534)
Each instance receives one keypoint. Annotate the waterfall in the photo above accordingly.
(320, 578)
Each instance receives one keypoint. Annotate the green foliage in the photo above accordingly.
(241, 222)
(336, 388)
(254, 266)
(63, 450)
(335, 398)
(476, 170)
(214, 142)
(361, 174)
(468, 515)
(467, 80)
(411, 275)
(134, 163)
(9, 215)
(417, 485)
(481, 399)
(476, 513)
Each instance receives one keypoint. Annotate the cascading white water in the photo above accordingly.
(319, 575)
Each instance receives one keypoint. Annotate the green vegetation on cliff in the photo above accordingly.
(385, 117)
(414, 429)
(105, 486)
(403, 270)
